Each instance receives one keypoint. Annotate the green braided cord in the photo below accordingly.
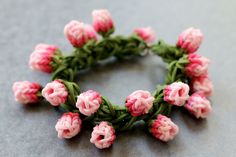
(167, 52)
(66, 67)
(119, 116)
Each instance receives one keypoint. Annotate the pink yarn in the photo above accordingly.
(198, 65)
(79, 33)
(139, 102)
(198, 105)
(190, 39)
(26, 92)
(147, 34)
(55, 92)
(68, 125)
(102, 21)
(41, 58)
(103, 135)
(164, 129)
(202, 85)
(88, 102)
(176, 93)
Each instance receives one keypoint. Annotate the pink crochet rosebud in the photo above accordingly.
(176, 93)
(88, 102)
(147, 34)
(79, 33)
(41, 58)
(190, 40)
(139, 102)
(102, 21)
(202, 85)
(198, 105)
(164, 129)
(55, 92)
(197, 66)
(103, 135)
(68, 125)
(26, 92)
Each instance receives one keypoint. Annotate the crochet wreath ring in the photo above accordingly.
(187, 84)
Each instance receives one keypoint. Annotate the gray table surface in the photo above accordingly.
(29, 131)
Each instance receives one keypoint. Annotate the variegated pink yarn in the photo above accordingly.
(41, 58)
(139, 102)
(190, 39)
(198, 105)
(102, 21)
(163, 128)
(147, 34)
(26, 92)
(197, 66)
(202, 84)
(103, 135)
(79, 33)
(55, 92)
(68, 125)
(176, 93)
(88, 102)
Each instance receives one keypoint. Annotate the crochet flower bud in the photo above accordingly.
(79, 33)
(164, 129)
(139, 102)
(41, 58)
(198, 105)
(190, 40)
(176, 93)
(88, 102)
(102, 22)
(68, 125)
(26, 92)
(103, 135)
(197, 66)
(147, 34)
(202, 85)
(55, 92)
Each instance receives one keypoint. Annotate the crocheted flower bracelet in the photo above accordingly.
(187, 83)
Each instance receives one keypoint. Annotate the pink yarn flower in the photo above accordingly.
(68, 125)
(55, 92)
(139, 102)
(202, 85)
(176, 93)
(163, 128)
(190, 40)
(147, 34)
(41, 58)
(198, 105)
(88, 102)
(26, 92)
(103, 135)
(79, 33)
(102, 21)
(197, 66)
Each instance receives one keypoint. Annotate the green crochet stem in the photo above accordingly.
(121, 47)
(119, 116)
(167, 52)
(67, 67)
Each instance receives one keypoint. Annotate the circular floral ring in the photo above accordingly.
(187, 83)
